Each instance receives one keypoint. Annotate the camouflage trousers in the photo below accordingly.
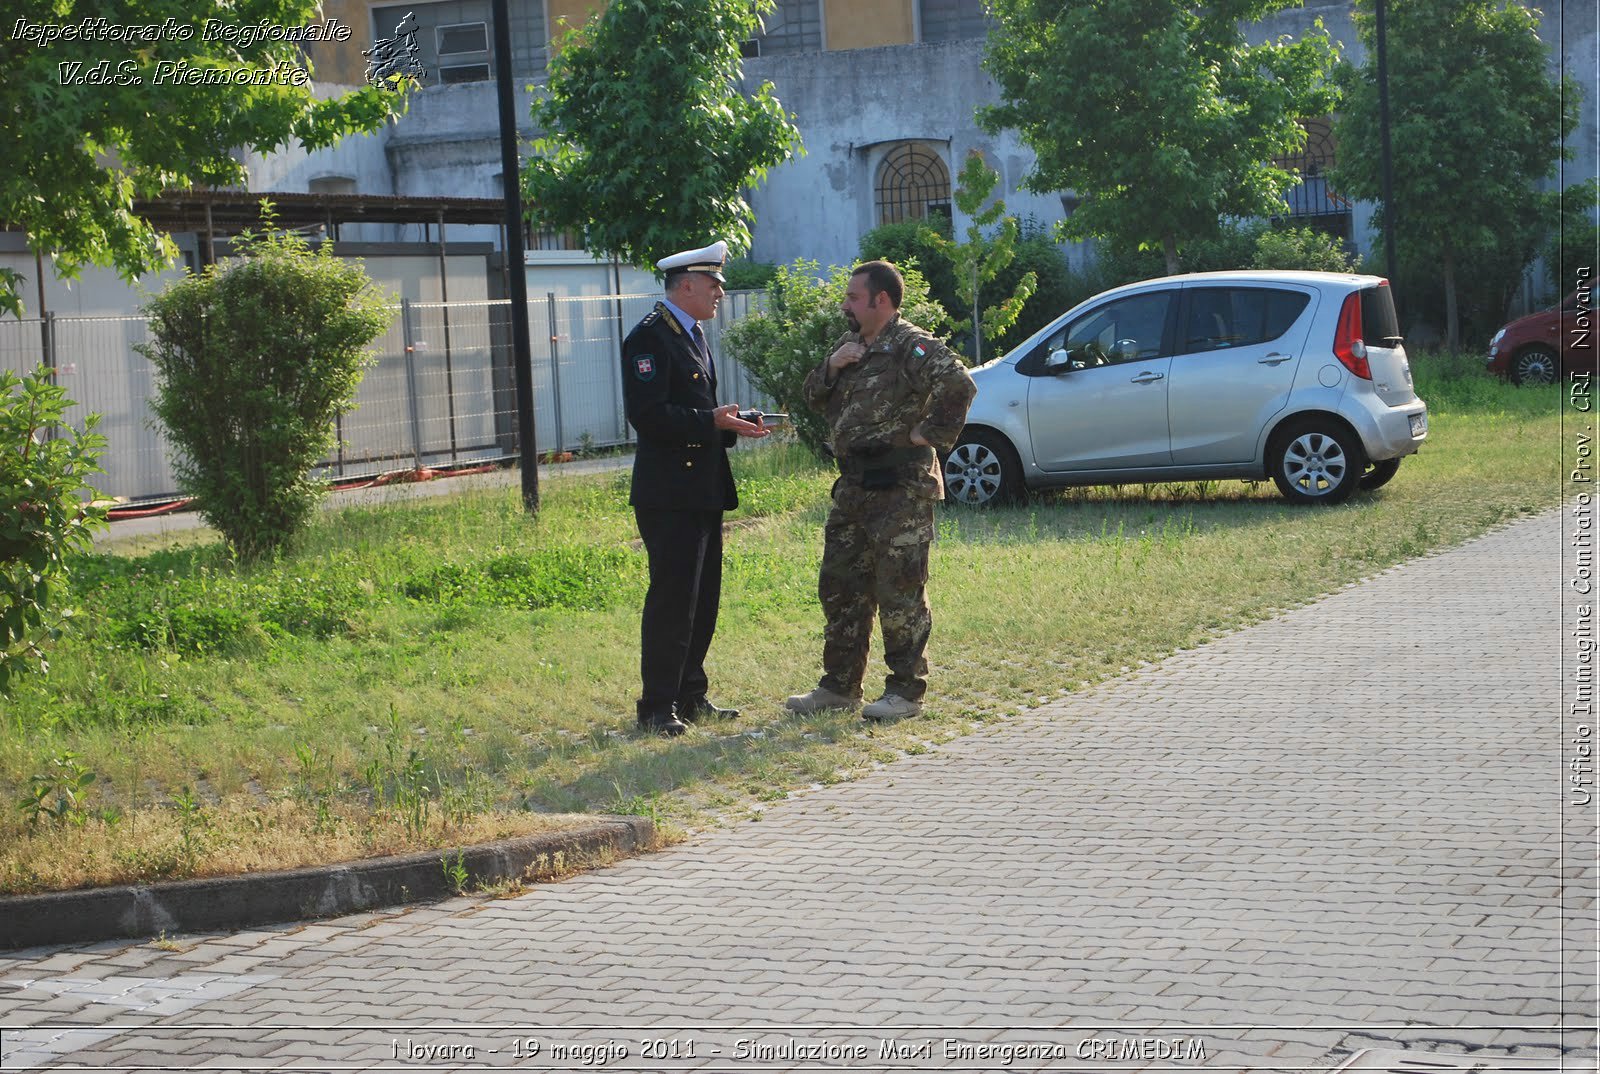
(875, 562)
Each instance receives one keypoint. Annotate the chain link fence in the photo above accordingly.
(440, 392)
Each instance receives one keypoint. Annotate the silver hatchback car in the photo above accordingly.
(1297, 376)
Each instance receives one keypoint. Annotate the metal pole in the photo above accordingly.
(444, 309)
(47, 335)
(209, 250)
(411, 381)
(47, 326)
(1386, 155)
(522, 355)
(555, 369)
(616, 368)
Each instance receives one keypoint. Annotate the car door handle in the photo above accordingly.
(1275, 358)
(1149, 378)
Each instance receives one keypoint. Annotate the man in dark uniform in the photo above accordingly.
(681, 486)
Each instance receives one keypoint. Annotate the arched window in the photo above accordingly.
(1311, 203)
(912, 181)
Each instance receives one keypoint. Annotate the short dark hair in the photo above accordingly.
(883, 278)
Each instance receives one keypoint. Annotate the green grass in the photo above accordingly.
(458, 657)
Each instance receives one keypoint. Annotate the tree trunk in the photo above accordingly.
(1452, 313)
(1169, 246)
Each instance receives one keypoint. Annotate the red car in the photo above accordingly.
(1542, 346)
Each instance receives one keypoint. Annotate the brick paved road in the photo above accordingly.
(1336, 830)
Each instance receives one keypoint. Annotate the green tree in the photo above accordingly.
(1475, 122)
(649, 143)
(47, 511)
(78, 154)
(255, 360)
(983, 256)
(796, 329)
(1156, 112)
(1574, 241)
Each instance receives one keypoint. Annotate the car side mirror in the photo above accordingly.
(1058, 362)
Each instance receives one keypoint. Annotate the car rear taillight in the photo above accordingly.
(1347, 344)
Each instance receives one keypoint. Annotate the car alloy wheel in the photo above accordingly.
(1536, 365)
(1317, 463)
(981, 471)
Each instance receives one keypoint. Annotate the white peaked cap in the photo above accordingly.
(707, 259)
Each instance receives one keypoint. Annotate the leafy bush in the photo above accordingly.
(781, 344)
(256, 358)
(1305, 249)
(916, 243)
(1249, 245)
(44, 516)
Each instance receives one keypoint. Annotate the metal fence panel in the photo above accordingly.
(440, 391)
(453, 361)
(375, 436)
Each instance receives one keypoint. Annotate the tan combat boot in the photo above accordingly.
(891, 707)
(819, 699)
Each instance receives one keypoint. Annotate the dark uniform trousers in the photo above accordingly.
(680, 607)
(681, 486)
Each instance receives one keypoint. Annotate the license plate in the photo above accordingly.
(1419, 424)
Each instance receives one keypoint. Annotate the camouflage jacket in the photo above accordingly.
(906, 379)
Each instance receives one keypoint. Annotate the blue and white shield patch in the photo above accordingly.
(644, 367)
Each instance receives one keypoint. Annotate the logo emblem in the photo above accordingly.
(644, 367)
(921, 353)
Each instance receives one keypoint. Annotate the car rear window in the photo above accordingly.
(1221, 317)
(1378, 321)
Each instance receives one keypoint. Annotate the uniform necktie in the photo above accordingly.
(705, 349)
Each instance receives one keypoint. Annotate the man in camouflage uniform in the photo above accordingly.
(892, 394)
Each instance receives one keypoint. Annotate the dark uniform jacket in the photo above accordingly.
(682, 460)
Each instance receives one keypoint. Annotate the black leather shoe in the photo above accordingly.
(668, 725)
(695, 711)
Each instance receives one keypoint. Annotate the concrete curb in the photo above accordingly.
(320, 891)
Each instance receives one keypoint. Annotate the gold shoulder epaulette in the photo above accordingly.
(672, 322)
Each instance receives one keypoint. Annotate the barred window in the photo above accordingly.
(951, 20)
(913, 182)
(792, 26)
